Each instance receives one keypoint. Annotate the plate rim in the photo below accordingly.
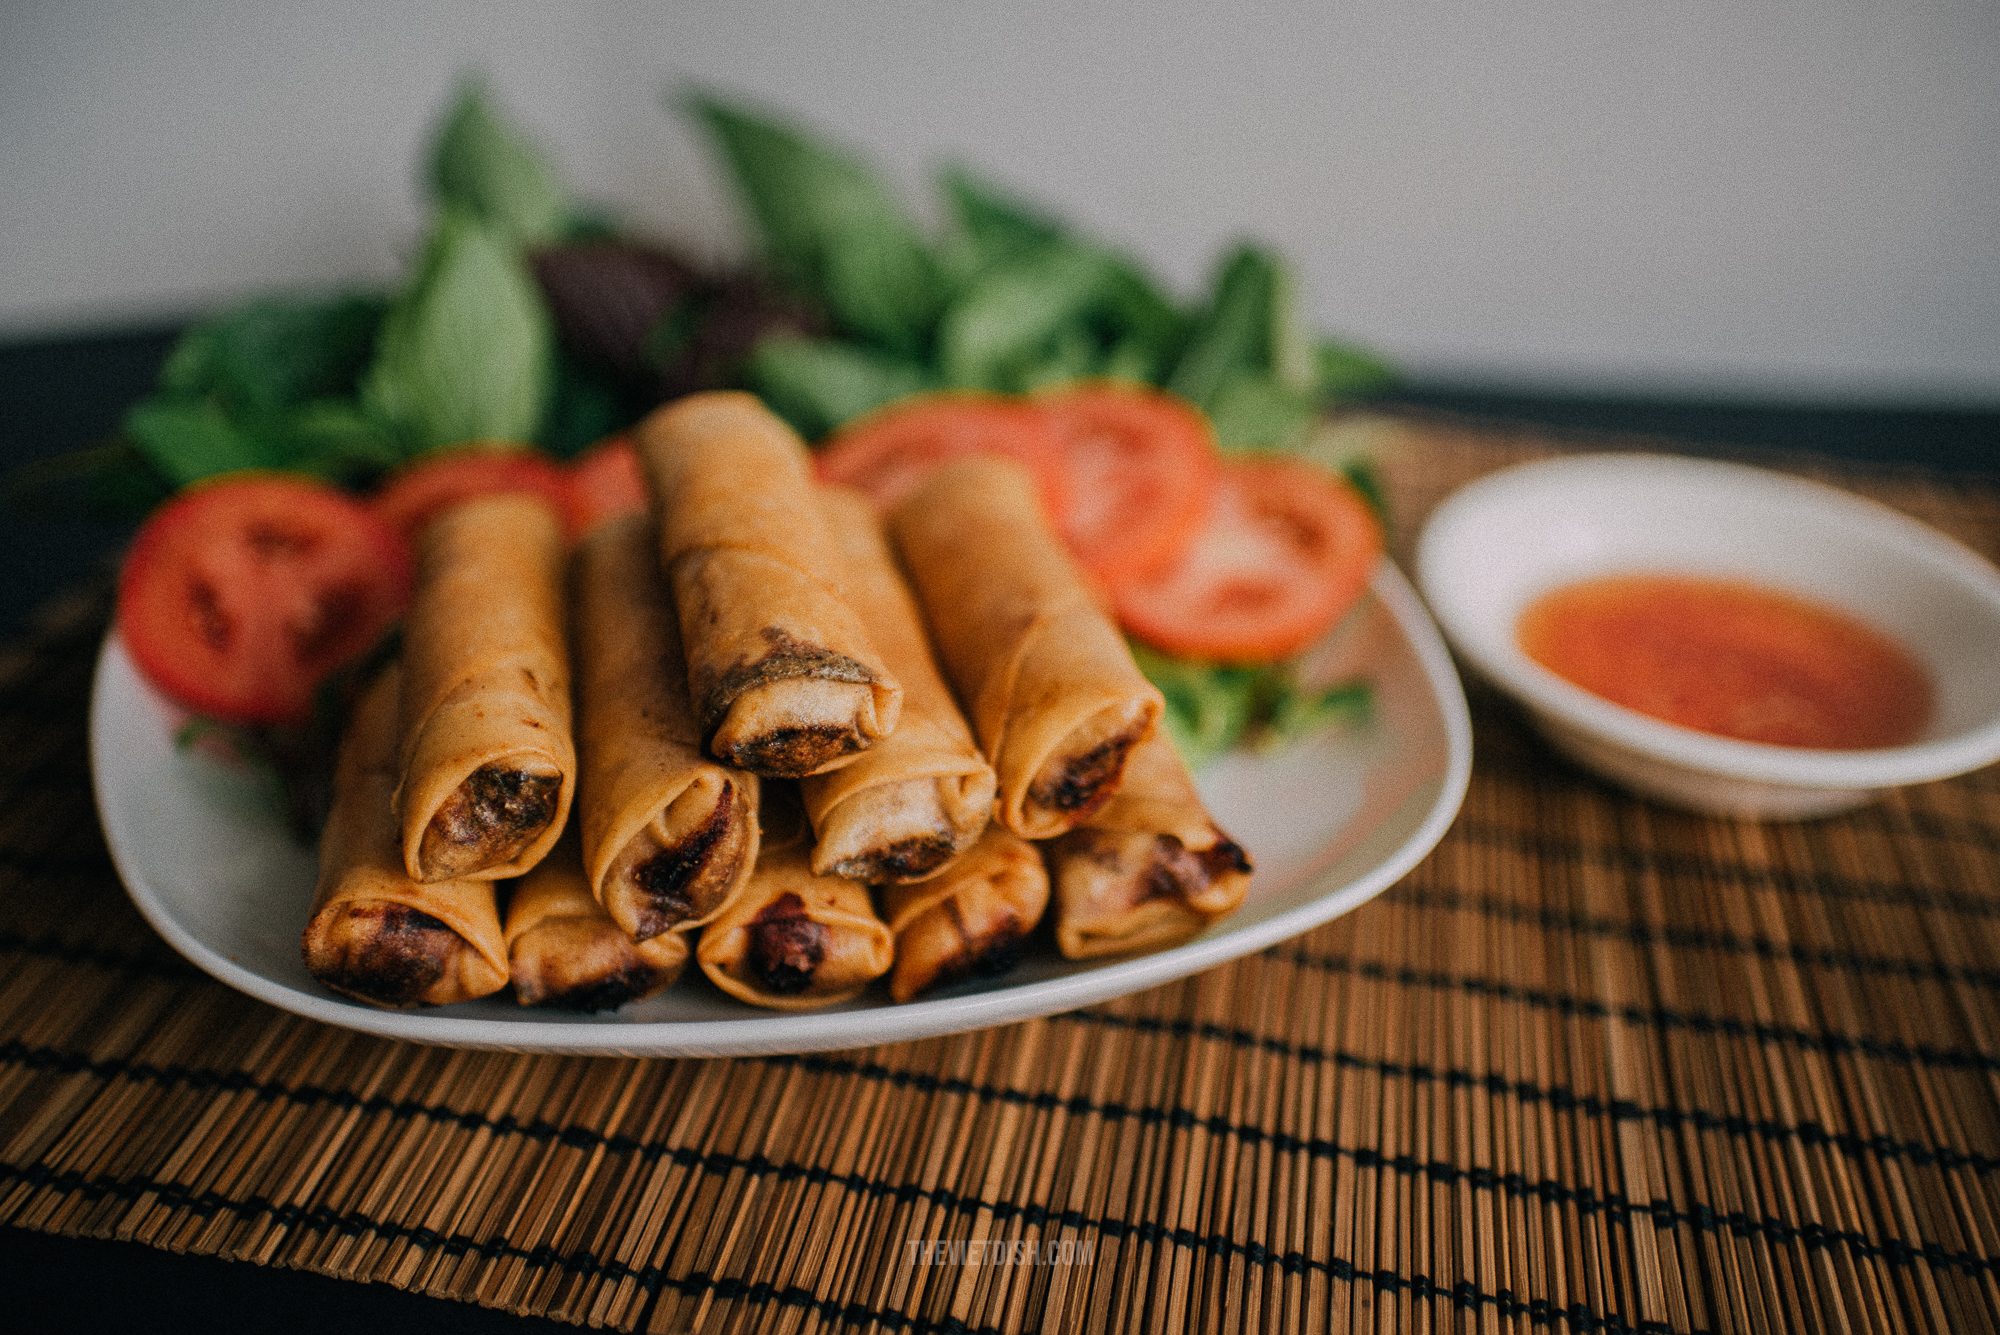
(830, 1030)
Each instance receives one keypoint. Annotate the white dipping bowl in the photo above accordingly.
(1500, 543)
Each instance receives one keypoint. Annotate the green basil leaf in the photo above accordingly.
(335, 439)
(187, 441)
(988, 226)
(829, 227)
(1011, 315)
(465, 352)
(583, 410)
(273, 353)
(817, 384)
(1252, 411)
(1345, 371)
(1234, 333)
(482, 166)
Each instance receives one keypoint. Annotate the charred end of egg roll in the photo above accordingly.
(565, 951)
(380, 952)
(375, 933)
(797, 710)
(793, 940)
(974, 920)
(490, 818)
(681, 867)
(1121, 891)
(1081, 775)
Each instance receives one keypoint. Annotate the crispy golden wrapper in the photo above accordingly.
(668, 834)
(793, 940)
(782, 676)
(376, 934)
(971, 919)
(1149, 870)
(920, 796)
(565, 951)
(1047, 680)
(487, 766)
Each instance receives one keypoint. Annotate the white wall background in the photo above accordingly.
(1745, 197)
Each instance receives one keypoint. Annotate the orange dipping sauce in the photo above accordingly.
(1728, 657)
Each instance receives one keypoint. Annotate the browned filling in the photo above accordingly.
(488, 820)
(790, 657)
(606, 993)
(987, 956)
(1174, 872)
(1086, 781)
(905, 860)
(793, 752)
(689, 879)
(786, 946)
(390, 954)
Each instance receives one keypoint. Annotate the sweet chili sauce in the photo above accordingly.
(1733, 658)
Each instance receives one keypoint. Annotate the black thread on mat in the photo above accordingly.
(204, 1204)
(1686, 938)
(1817, 884)
(1568, 1003)
(1918, 1054)
(1557, 1097)
(1612, 1207)
(48, 946)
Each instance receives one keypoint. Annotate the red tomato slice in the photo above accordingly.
(604, 483)
(1139, 470)
(1286, 552)
(414, 494)
(239, 596)
(886, 453)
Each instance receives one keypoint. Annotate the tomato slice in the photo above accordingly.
(604, 483)
(1139, 473)
(888, 452)
(239, 596)
(414, 494)
(1287, 550)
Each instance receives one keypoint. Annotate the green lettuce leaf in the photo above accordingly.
(274, 353)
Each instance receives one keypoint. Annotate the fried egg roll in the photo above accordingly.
(565, 951)
(782, 676)
(793, 940)
(668, 834)
(973, 918)
(1049, 684)
(920, 796)
(1149, 870)
(487, 764)
(376, 934)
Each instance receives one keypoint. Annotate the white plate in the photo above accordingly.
(1331, 823)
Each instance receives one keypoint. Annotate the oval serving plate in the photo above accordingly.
(1331, 822)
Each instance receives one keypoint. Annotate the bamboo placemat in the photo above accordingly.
(1594, 1065)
